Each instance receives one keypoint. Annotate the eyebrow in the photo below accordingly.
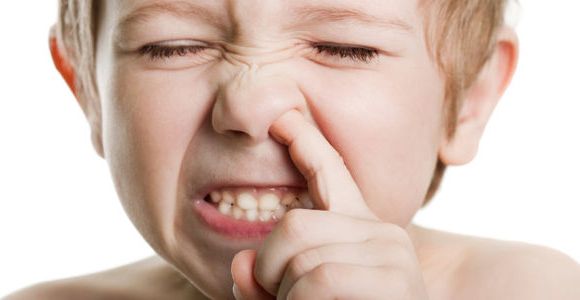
(181, 9)
(307, 14)
(329, 14)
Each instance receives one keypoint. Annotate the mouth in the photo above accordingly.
(255, 204)
(249, 212)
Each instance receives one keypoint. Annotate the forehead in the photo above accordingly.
(392, 15)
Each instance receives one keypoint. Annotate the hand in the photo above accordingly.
(342, 251)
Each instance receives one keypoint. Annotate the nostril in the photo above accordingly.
(236, 133)
(243, 138)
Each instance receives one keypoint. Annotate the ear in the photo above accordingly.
(64, 67)
(480, 100)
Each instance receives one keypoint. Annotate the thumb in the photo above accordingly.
(245, 286)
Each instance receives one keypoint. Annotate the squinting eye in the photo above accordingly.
(357, 54)
(158, 52)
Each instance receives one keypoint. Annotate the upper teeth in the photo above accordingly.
(259, 204)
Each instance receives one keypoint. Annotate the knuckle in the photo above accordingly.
(293, 224)
(300, 264)
(324, 276)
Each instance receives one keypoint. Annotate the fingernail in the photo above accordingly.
(236, 292)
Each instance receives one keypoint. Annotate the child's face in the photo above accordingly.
(174, 126)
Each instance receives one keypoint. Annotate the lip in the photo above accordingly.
(228, 226)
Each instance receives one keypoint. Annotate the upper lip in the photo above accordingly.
(265, 166)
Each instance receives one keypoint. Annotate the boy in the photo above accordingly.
(225, 122)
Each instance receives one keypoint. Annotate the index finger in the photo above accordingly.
(329, 181)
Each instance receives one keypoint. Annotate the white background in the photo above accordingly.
(59, 215)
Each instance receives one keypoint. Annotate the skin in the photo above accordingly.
(259, 107)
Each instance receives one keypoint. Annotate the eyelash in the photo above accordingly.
(357, 54)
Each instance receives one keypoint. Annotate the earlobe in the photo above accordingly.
(61, 62)
(480, 100)
(97, 140)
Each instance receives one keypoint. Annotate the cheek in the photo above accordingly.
(387, 131)
(149, 121)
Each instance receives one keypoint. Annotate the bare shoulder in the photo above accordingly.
(71, 288)
(493, 269)
(150, 278)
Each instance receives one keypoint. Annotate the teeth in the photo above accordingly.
(265, 215)
(288, 199)
(251, 215)
(247, 201)
(225, 208)
(295, 204)
(237, 212)
(251, 205)
(305, 201)
(227, 197)
(268, 202)
(215, 196)
(279, 212)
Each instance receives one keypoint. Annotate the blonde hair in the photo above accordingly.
(76, 29)
(460, 35)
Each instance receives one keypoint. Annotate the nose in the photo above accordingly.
(249, 103)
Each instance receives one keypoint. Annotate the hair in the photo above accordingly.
(460, 35)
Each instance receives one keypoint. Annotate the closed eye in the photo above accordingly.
(155, 52)
(356, 54)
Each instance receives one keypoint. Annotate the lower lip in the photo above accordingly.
(228, 226)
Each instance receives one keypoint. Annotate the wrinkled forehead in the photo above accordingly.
(243, 17)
